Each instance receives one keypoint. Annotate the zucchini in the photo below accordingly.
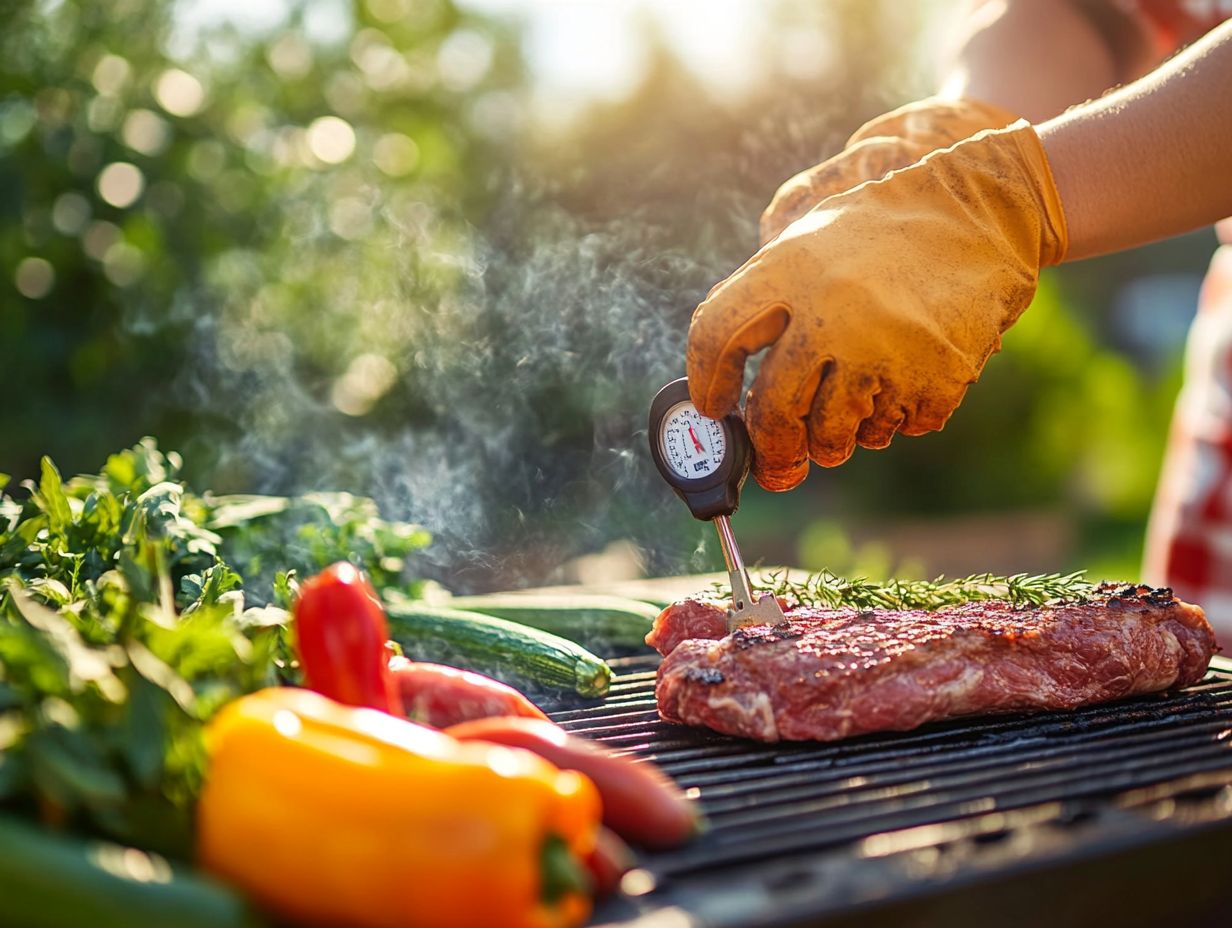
(50, 881)
(502, 649)
(595, 620)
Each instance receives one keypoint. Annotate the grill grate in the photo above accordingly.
(768, 803)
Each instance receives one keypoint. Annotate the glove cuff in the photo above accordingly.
(1054, 230)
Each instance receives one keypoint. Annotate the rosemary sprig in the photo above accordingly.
(828, 590)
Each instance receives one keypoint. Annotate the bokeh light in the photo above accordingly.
(123, 264)
(331, 139)
(389, 11)
(34, 278)
(179, 93)
(463, 59)
(70, 213)
(111, 74)
(395, 154)
(290, 56)
(350, 218)
(365, 381)
(145, 132)
(98, 238)
(120, 184)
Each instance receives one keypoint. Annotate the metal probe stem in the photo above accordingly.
(742, 595)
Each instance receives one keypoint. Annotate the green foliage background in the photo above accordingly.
(464, 316)
(245, 253)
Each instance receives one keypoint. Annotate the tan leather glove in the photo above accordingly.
(881, 305)
(887, 143)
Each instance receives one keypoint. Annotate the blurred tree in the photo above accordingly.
(232, 233)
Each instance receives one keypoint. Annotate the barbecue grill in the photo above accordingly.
(1117, 814)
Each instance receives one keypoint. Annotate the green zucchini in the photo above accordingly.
(50, 881)
(502, 649)
(595, 620)
(658, 603)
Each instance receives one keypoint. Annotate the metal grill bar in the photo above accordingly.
(766, 801)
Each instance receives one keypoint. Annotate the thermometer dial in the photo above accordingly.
(692, 444)
(704, 460)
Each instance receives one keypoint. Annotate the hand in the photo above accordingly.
(887, 143)
(881, 305)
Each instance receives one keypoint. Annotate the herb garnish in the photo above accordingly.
(828, 590)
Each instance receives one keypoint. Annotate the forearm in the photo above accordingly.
(1151, 160)
(1039, 57)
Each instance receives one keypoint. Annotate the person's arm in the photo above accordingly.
(881, 305)
(1038, 57)
(1151, 160)
(1011, 58)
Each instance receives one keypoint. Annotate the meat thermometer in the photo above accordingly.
(706, 462)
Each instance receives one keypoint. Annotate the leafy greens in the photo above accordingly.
(131, 610)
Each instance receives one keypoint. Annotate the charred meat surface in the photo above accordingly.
(833, 673)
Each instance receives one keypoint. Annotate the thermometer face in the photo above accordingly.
(692, 445)
(703, 460)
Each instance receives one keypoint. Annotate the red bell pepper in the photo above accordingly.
(340, 635)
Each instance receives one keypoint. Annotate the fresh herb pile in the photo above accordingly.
(827, 590)
(130, 611)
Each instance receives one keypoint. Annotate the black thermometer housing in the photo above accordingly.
(716, 493)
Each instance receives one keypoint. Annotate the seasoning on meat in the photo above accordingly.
(834, 673)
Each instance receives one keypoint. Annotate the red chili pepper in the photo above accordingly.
(436, 695)
(640, 802)
(340, 635)
(608, 862)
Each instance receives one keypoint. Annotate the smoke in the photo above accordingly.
(539, 377)
(514, 426)
(491, 380)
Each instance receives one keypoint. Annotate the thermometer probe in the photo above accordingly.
(706, 462)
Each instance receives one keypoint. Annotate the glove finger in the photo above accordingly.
(776, 414)
(738, 319)
(801, 193)
(841, 404)
(804, 191)
(933, 409)
(934, 123)
(791, 201)
(870, 159)
(888, 414)
(873, 159)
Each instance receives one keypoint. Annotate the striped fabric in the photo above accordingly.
(1189, 542)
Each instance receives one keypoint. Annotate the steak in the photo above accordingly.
(833, 673)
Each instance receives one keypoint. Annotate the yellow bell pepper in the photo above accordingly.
(332, 815)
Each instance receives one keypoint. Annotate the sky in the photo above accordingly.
(577, 50)
(594, 47)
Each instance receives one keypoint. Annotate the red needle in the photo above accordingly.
(696, 444)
